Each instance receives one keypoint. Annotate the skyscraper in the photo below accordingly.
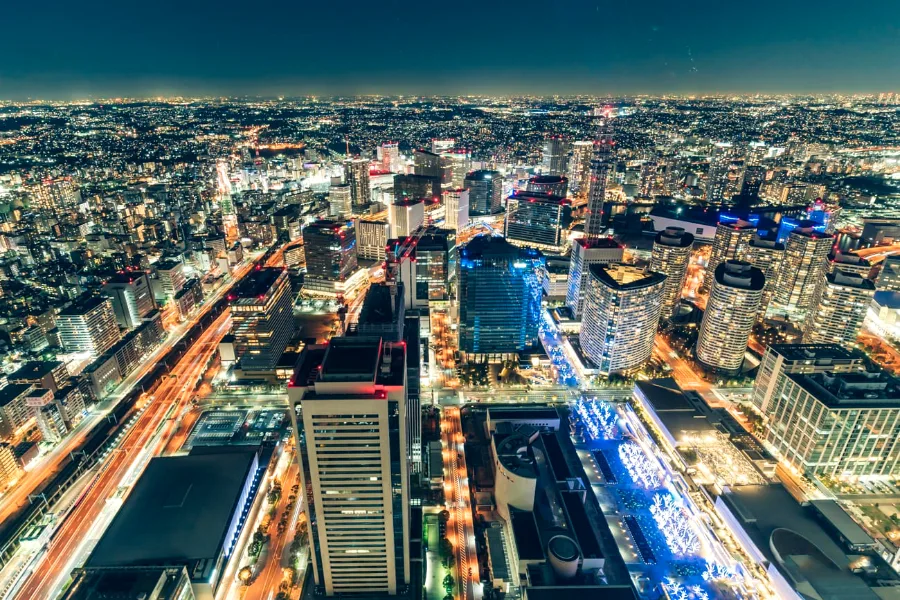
(353, 464)
(416, 186)
(766, 255)
(592, 250)
(406, 216)
(649, 171)
(889, 276)
(580, 167)
(729, 317)
(838, 309)
(623, 305)
(131, 297)
(717, 175)
(357, 177)
(427, 164)
(805, 254)
(603, 251)
(754, 176)
(849, 263)
(485, 192)
(89, 325)
(340, 200)
(671, 255)
(555, 185)
(456, 206)
(731, 242)
(330, 252)
(262, 320)
(537, 220)
(455, 164)
(372, 233)
(389, 153)
(555, 155)
(499, 297)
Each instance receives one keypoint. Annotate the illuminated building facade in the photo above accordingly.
(602, 251)
(356, 171)
(805, 254)
(131, 296)
(89, 326)
(623, 305)
(485, 191)
(731, 242)
(499, 297)
(262, 321)
(330, 255)
(766, 255)
(670, 256)
(456, 207)
(838, 308)
(729, 316)
(555, 155)
(538, 220)
(354, 470)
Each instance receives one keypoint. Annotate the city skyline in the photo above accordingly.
(651, 47)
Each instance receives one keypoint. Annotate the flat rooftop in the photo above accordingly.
(816, 352)
(351, 359)
(178, 512)
(12, 391)
(35, 369)
(861, 389)
(83, 305)
(672, 407)
(257, 283)
(581, 592)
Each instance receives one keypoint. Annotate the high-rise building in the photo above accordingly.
(729, 316)
(89, 326)
(603, 251)
(485, 192)
(649, 171)
(262, 321)
(340, 200)
(754, 176)
(455, 164)
(805, 254)
(555, 155)
(356, 171)
(593, 248)
(57, 194)
(170, 278)
(849, 263)
(372, 233)
(838, 308)
(766, 255)
(406, 216)
(731, 242)
(389, 154)
(435, 267)
(354, 466)
(717, 175)
(837, 424)
(623, 305)
(554, 185)
(416, 186)
(499, 297)
(580, 167)
(131, 297)
(793, 193)
(456, 207)
(889, 276)
(780, 360)
(538, 220)
(670, 256)
(427, 164)
(330, 251)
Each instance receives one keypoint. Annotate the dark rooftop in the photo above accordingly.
(178, 512)
(256, 284)
(581, 592)
(35, 369)
(83, 305)
(602, 273)
(858, 389)
(819, 353)
(11, 392)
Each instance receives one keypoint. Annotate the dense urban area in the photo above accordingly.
(450, 348)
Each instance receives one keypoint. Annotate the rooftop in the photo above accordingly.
(35, 369)
(256, 284)
(539, 197)
(858, 389)
(12, 391)
(816, 352)
(625, 277)
(178, 512)
(83, 305)
(482, 175)
(487, 247)
(675, 236)
(740, 274)
(885, 299)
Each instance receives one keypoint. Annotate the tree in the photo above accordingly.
(244, 575)
(449, 582)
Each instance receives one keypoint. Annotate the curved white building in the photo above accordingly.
(838, 309)
(621, 313)
(730, 314)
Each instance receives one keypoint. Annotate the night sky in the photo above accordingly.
(70, 49)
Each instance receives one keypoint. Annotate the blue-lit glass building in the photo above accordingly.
(499, 298)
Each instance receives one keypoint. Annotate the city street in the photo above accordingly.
(82, 527)
(460, 528)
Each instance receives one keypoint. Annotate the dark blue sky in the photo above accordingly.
(65, 49)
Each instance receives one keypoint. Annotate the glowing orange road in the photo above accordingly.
(172, 394)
